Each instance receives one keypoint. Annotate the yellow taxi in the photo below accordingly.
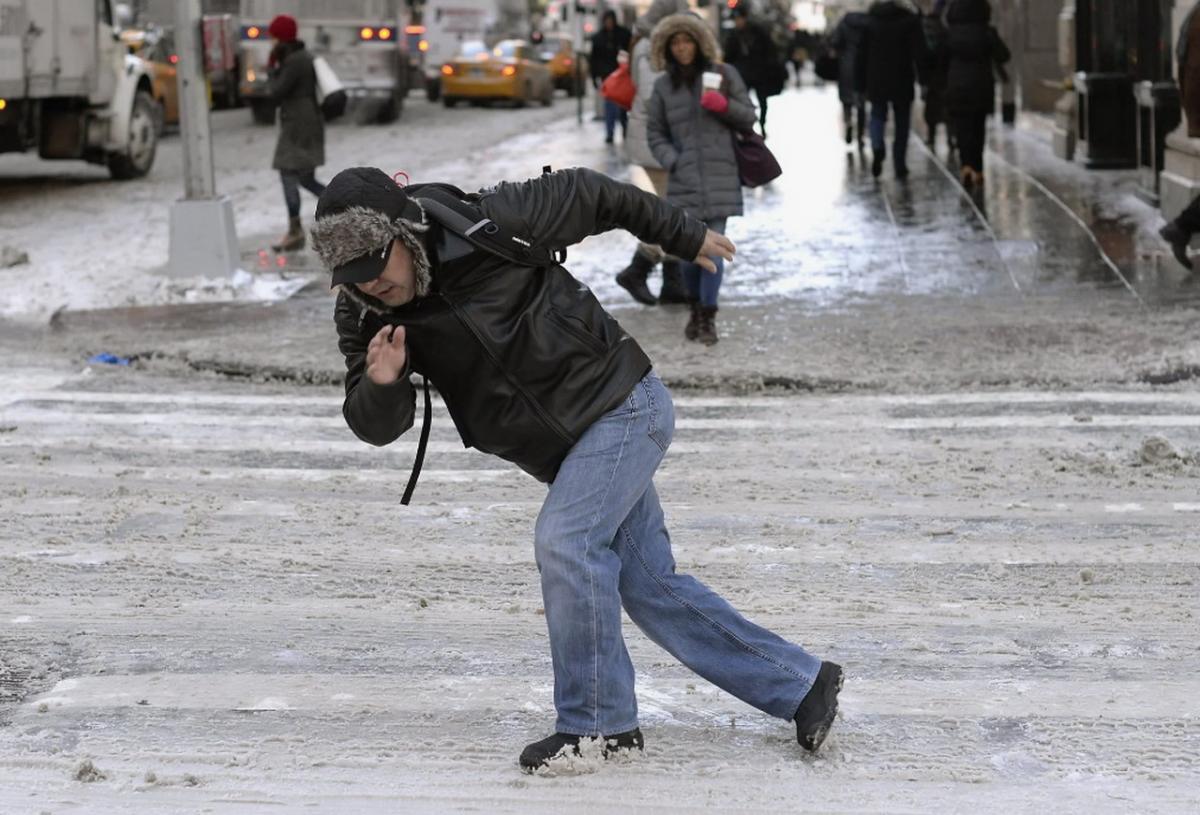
(510, 71)
(558, 52)
(157, 48)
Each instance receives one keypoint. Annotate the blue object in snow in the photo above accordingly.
(109, 359)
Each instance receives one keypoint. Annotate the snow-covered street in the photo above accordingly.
(961, 457)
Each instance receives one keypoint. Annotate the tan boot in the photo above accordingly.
(293, 241)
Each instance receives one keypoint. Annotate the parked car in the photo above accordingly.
(510, 71)
(558, 52)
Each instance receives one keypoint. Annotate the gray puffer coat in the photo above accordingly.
(696, 145)
(301, 144)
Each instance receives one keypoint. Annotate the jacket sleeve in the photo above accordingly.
(557, 210)
(378, 414)
(740, 114)
(920, 51)
(658, 131)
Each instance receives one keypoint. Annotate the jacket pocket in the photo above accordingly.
(576, 329)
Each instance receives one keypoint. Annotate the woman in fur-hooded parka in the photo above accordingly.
(693, 144)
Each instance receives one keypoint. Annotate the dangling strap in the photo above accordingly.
(426, 423)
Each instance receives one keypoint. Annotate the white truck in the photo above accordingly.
(69, 88)
(362, 40)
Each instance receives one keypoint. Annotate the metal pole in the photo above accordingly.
(193, 103)
(203, 237)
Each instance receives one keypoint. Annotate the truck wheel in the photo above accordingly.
(135, 161)
(433, 90)
(263, 111)
(390, 110)
(449, 101)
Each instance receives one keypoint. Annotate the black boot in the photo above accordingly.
(877, 163)
(816, 713)
(673, 291)
(1179, 240)
(563, 745)
(707, 332)
(692, 329)
(633, 279)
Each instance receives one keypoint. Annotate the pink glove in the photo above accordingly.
(714, 101)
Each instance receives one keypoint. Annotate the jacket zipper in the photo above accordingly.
(549, 420)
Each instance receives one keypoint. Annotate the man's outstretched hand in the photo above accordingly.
(715, 245)
(386, 358)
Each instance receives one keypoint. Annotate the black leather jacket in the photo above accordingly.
(525, 358)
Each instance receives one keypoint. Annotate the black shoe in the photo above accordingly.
(560, 745)
(1179, 240)
(816, 713)
(901, 173)
(877, 164)
(849, 134)
(673, 290)
(633, 279)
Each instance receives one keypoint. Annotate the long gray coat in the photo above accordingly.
(694, 144)
(301, 144)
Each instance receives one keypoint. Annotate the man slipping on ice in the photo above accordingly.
(466, 291)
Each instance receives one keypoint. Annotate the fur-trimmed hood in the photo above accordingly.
(689, 23)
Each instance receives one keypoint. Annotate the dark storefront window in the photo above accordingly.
(1125, 37)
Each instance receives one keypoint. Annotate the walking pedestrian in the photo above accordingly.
(846, 41)
(1179, 231)
(607, 45)
(690, 123)
(975, 52)
(891, 59)
(533, 369)
(750, 49)
(933, 92)
(637, 148)
(300, 148)
(799, 47)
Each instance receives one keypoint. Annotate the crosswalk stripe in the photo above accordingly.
(340, 692)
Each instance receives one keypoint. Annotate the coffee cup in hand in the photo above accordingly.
(711, 80)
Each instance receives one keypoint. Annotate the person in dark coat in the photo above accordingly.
(532, 369)
(1178, 232)
(934, 89)
(975, 51)
(750, 49)
(607, 45)
(301, 145)
(891, 60)
(846, 41)
(690, 129)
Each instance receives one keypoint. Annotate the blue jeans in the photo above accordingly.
(601, 544)
(702, 284)
(614, 113)
(879, 117)
(293, 180)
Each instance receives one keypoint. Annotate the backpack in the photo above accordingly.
(451, 208)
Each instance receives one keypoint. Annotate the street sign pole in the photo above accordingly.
(203, 237)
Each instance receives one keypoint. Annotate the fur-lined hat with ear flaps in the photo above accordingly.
(668, 27)
(362, 211)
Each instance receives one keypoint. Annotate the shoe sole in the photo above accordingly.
(813, 742)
